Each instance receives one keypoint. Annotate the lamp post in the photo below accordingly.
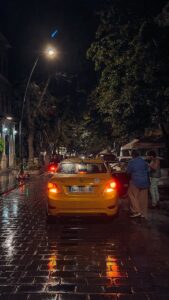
(50, 53)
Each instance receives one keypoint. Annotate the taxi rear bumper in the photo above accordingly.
(80, 206)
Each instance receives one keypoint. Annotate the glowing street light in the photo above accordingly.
(9, 118)
(50, 52)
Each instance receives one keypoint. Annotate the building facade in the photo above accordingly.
(7, 124)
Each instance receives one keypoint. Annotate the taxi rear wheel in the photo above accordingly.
(113, 217)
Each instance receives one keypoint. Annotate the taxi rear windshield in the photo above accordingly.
(81, 168)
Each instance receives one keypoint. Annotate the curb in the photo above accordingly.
(11, 189)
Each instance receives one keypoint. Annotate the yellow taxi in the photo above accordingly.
(82, 187)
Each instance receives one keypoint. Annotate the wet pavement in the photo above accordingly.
(8, 181)
(79, 258)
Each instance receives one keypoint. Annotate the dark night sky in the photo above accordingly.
(28, 25)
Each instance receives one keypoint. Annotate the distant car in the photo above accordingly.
(124, 158)
(109, 157)
(82, 186)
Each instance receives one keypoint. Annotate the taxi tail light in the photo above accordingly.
(53, 188)
(110, 187)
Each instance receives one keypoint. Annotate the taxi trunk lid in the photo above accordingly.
(83, 185)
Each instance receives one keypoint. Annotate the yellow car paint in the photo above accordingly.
(91, 196)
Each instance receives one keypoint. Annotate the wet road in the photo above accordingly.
(77, 258)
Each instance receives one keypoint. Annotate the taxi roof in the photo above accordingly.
(82, 160)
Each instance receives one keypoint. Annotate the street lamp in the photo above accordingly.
(50, 52)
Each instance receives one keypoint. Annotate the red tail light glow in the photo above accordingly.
(110, 187)
(53, 188)
(52, 168)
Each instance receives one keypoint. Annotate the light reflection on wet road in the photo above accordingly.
(79, 258)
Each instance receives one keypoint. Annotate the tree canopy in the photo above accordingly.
(130, 53)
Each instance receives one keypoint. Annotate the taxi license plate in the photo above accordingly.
(80, 189)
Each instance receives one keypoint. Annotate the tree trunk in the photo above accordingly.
(44, 91)
(30, 146)
(31, 132)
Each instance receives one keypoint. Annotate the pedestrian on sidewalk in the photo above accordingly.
(138, 187)
(155, 174)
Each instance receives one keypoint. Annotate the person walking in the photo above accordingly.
(155, 174)
(138, 187)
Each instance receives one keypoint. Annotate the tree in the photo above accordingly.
(130, 55)
(37, 105)
(55, 113)
(1, 148)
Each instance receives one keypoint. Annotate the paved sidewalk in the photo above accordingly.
(8, 181)
(164, 205)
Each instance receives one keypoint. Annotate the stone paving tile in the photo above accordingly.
(118, 289)
(127, 281)
(73, 280)
(15, 275)
(114, 274)
(30, 288)
(61, 288)
(99, 281)
(72, 297)
(159, 296)
(89, 289)
(141, 276)
(63, 274)
(87, 275)
(27, 280)
(42, 296)
(7, 289)
(150, 288)
(15, 297)
(133, 297)
(161, 280)
(47, 280)
(3, 280)
(37, 273)
(102, 297)
(8, 268)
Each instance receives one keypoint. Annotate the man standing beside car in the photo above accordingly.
(155, 174)
(138, 187)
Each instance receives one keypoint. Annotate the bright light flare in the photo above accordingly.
(9, 118)
(53, 188)
(51, 52)
(111, 187)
